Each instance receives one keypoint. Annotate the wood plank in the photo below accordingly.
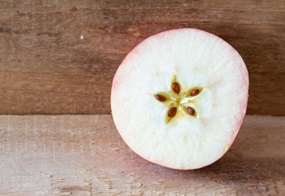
(59, 57)
(84, 155)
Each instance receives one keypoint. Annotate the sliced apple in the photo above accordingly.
(179, 98)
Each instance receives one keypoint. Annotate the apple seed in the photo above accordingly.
(176, 87)
(160, 97)
(194, 92)
(172, 112)
(190, 110)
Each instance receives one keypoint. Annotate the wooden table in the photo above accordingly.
(84, 155)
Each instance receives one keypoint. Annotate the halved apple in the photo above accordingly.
(179, 98)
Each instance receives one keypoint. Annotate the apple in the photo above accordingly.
(179, 98)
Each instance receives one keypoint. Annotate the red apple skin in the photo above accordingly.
(116, 82)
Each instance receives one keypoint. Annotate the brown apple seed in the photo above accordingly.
(194, 92)
(176, 87)
(190, 110)
(160, 97)
(172, 112)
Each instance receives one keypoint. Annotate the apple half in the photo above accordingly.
(179, 98)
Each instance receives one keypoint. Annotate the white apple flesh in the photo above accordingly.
(179, 98)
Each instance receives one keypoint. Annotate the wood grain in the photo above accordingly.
(59, 56)
(84, 155)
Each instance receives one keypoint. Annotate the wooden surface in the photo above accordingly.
(59, 56)
(84, 155)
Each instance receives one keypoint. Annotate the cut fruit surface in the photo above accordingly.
(179, 98)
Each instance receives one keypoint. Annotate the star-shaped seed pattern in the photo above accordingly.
(177, 98)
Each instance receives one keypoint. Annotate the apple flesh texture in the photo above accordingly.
(196, 59)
